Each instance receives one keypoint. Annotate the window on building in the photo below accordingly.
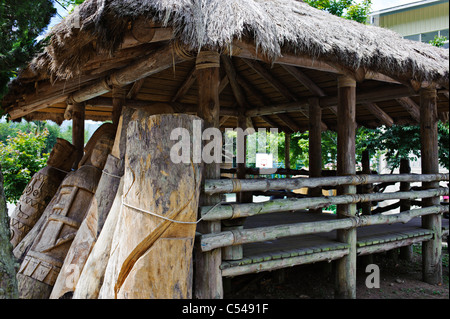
(414, 37)
(428, 36)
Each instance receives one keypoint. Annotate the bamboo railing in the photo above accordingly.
(234, 237)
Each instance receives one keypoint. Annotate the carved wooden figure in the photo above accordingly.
(40, 190)
(151, 255)
(42, 264)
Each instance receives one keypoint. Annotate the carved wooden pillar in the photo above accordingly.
(432, 249)
(346, 165)
(208, 277)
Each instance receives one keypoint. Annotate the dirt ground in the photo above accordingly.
(399, 279)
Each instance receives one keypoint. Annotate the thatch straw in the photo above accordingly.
(275, 26)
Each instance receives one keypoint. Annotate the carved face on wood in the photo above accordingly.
(101, 150)
(62, 155)
(99, 146)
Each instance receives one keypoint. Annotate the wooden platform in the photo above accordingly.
(297, 250)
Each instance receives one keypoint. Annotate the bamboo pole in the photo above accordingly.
(259, 234)
(223, 186)
(230, 211)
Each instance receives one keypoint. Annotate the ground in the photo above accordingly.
(399, 279)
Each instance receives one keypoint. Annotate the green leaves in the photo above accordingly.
(21, 157)
(348, 9)
(21, 22)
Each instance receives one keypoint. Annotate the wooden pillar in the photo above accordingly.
(78, 118)
(208, 278)
(432, 249)
(406, 252)
(315, 145)
(346, 165)
(118, 101)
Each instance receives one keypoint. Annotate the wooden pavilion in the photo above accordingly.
(150, 66)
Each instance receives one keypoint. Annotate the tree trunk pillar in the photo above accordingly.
(208, 276)
(432, 249)
(346, 160)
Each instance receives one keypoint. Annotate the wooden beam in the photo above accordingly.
(305, 80)
(411, 107)
(432, 249)
(249, 51)
(235, 87)
(346, 165)
(379, 114)
(265, 74)
(184, 88)
(135, 89)
(382, 94)
(290, 122)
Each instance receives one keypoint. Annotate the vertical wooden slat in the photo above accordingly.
(432, 249)
(78, 118)
(366, 189)
(315, 145)
(208, 277)
(406, 252)
(346, 266)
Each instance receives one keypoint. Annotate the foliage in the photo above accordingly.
(20, 158)
(348, 9)
(438, 41)
(21, 22)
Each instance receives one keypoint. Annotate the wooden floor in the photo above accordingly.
(291, 251)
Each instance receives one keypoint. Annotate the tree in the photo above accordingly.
(21, 157)
(8, 282)
(348, 9)
(21, 22)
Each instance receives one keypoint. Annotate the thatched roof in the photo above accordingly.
(276, 27)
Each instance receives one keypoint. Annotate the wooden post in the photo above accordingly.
(78, 131)
(406, 252)
(315, 145)
(346, 266)
(118, 100)
(208, 277)
(432, 249)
